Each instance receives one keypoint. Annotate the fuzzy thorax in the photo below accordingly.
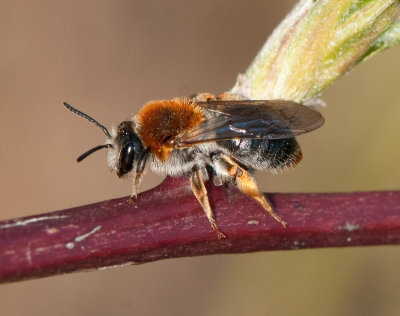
(159, 122)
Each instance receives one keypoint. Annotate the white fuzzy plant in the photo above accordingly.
(315, 44)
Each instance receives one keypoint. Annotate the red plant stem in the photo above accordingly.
(168, 222)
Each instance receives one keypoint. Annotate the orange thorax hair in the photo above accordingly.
(159, 122)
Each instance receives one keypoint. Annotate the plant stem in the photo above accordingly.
(167, 222)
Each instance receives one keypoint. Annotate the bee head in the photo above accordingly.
(127, 149)
(126, 152)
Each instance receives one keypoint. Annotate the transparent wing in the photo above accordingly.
(274, 119)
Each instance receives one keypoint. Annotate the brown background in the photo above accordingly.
(109, 57)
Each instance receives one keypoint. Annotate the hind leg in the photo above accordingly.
(228, 168)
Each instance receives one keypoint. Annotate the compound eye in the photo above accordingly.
(126, 158)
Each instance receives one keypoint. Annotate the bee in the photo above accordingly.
(219, 138)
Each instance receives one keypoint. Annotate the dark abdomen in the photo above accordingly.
(264, 154)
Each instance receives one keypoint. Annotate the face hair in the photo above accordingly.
(90, 119)
(91, 151)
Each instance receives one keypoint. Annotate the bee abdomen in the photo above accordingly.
(265, 154)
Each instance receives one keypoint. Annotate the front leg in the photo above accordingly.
(138, 173)
(200, 192)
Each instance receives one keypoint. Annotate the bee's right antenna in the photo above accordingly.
(90, 119)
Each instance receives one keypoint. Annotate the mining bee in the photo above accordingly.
(222, 138)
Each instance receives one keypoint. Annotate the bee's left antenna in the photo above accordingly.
(91, 151)
(87, 117)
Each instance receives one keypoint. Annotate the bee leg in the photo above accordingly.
(133, 196)
(138, 174)
(200, 192)
(247, 184)
(202, 97)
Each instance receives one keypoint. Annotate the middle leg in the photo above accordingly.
(200, 192)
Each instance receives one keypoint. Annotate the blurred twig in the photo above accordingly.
(167, 222)
(316, 43)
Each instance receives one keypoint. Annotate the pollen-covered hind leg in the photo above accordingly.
(200, 192)
(247, 184)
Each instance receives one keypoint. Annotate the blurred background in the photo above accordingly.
(107, 58)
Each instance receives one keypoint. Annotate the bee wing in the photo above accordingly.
(274, 119)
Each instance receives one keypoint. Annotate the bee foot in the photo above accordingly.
(132, 199)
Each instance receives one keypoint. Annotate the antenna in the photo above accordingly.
(90, 119)
(91, 151)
